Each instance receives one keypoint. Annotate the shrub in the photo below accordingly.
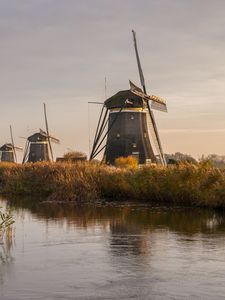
(74, 155)
(129, 162)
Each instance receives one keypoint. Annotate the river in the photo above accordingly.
(112, 251)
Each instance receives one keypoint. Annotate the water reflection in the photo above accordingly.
(6, 258)
(127, 218)
(132, 226)
(113, 251)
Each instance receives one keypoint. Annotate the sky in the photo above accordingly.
(59, 52)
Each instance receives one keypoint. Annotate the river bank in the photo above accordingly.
(187, 184)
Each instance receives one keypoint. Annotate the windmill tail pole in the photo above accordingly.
(142, 79)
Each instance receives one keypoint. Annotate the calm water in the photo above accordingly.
(113, 252)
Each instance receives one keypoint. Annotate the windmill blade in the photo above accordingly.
(18, 148)
(154, 137)
(47, 130)
(46, 120)
(149, 108)
(138, 61)
(157, 103)
(54, 139)
(138, 91)
(12, 140)
(43, 132)
(26, 152)
(135, 89)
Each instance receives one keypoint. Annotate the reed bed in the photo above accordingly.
(185, 184)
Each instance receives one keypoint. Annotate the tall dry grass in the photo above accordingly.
(57, 181)
(185, 184)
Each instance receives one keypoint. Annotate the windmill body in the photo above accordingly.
(38, 146)
(129, 130)
(38, 149)
(7, 153)
(127, 125)
(8, 150)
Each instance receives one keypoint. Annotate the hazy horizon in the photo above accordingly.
(59, 52)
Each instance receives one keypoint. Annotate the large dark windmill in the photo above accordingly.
(38, 146)
(8, 150)
(127, 125)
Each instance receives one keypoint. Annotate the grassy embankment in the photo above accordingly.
(186, 184)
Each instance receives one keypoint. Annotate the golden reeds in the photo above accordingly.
(184, 184)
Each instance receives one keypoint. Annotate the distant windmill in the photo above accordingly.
(127, 125)
(38, 146)
(8, 150)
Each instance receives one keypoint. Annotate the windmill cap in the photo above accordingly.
(38, 137)
(6, 147)
(124, 99)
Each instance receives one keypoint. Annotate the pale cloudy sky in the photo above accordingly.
(60, 52)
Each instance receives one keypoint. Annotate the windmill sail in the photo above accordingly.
(13, 145)
(47, 131)
(158, 103)
(154, 137)
(136, 90)
(54, 139)
(142, 79)
(151, 115)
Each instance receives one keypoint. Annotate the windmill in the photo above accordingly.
(8, 150)
(127, 125)
(38, 146)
